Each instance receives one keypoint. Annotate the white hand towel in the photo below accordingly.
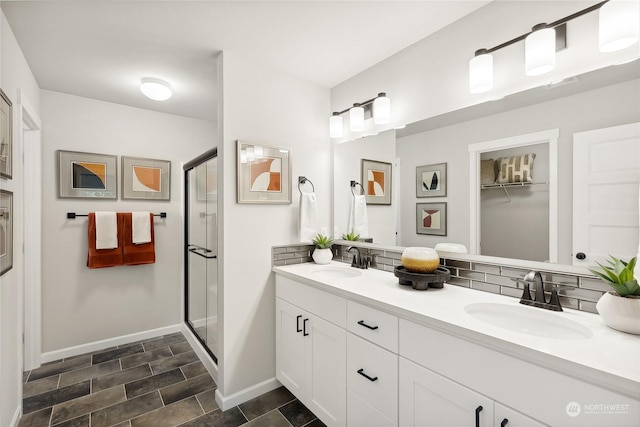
(106, 230)
(358, 222)
(308, 219)
(140, 227)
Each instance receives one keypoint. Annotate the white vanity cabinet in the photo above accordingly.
(311, 343)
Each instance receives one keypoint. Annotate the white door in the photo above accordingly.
(606, 175)
(290, 347)
(431, 400)
(326, 352)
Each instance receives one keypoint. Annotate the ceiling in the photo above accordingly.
(101, 49)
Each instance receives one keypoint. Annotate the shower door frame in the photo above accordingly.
(191, 165)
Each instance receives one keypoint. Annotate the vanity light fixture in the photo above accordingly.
(155, 89)
(619, 27)
(379, 108)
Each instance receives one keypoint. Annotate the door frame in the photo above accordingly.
(475, 151)
(31, 147)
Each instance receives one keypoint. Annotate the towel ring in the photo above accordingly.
(353, 185)
(303, 180)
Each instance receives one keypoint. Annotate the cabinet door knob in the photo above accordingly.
(581, 255)
(361, 372)
(504, 423)
(478, 410)
(298, 323)
(361, 323)
(304, 327)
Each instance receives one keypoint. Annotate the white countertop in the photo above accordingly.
(608, 359)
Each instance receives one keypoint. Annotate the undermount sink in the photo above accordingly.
(331, 272)
(529, 321)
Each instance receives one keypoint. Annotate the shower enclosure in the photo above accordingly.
(201, 249)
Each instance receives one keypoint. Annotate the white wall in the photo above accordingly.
(347, 167)
(82, 305)
(431, 77)
(263, 105)
(15, 75)
(608, 106)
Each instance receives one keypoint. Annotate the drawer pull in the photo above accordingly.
(298, 323)
(361, 323)
(304, 327)
(504, 423)
(478, 410)
(361, 372)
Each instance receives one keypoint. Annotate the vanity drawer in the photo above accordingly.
(323, 304)
(380, 389)
(374, 325)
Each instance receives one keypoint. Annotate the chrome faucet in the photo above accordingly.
(540, 301)
(358, 260)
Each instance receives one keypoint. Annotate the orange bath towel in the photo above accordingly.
(144, 253)
(99, 258)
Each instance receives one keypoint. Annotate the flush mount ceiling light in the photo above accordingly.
(379, 108)
(619, 27)
(155, 89)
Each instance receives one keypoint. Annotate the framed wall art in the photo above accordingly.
(6, 231)
(263, 174)
(87, 175)
(376, 180)
(431, 180)
(146, 179)
(6, 136)
(431, 218)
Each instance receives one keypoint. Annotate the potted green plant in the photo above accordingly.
(620, 309)
(322, 254)
(351, 236)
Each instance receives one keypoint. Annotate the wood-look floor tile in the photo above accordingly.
(122, 377)
(126, 410)
(316, 423)
(164, 341)
(40, 386)
(270, 419)
(155, 382)
(208, 400)
(187, 388)
(117, 353)
(296, 413)
(171, 415)
(169, 363)
(146, 357)
(36, 419)
(180, 347)
(82, 421)
(94, 371)
(231, 418)
(87, 404)
(54, 397)
(193, 369)
(266, 402)
(25, 376)
(59, 368)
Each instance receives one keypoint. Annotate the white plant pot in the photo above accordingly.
(620, 313)
(322, 256)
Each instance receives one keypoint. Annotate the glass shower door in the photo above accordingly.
(201, 263)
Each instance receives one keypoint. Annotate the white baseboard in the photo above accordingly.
(110, 342)
(202, 354)
(247, 394)
(16, 417)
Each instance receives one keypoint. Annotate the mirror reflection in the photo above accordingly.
(528, 223)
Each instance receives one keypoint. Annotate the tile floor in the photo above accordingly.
(155, 383)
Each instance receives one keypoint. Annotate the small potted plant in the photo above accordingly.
(620, 309)
(322, 254)
(351, 236)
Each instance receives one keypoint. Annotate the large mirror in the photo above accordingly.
(600, 99)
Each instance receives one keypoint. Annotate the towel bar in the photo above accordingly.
(353, 185)
(73, 215)
(303, 180)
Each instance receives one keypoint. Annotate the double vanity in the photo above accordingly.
(359, 349)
